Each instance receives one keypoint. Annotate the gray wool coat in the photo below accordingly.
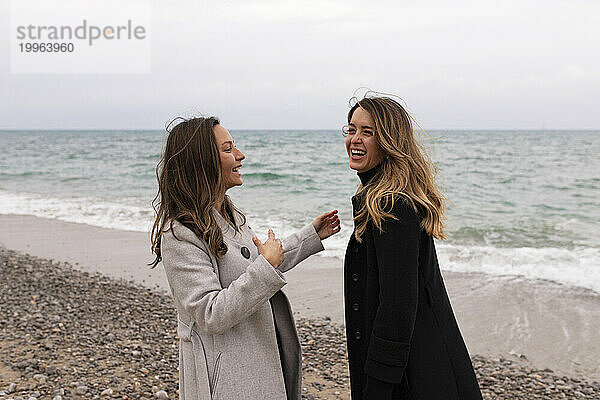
(231, 313)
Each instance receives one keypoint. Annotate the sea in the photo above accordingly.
(523, 203)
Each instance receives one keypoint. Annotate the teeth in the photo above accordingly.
(236, 169)
(358, 152)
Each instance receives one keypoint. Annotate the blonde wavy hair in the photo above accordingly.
(406, 170)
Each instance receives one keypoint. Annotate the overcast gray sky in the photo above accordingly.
(294, 65)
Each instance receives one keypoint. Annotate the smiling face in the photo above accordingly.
(362, 147)
(231, 158)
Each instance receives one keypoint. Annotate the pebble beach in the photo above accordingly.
(67, 333)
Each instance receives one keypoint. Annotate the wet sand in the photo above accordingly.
(542, 323)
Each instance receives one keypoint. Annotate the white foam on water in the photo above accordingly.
(573, 267)
(579, 266)
(84, 210)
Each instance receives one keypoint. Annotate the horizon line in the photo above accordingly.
(300, 129)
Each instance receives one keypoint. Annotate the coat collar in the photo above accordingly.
(226, 228)
(220, 220)
(366, 176)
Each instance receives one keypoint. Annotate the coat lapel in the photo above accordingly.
(229, 232)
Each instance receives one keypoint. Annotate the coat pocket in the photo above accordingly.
(405, 384)
(193, 368)
(428, 295)
(215, 375)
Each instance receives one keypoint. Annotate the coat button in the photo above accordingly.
(355, 250)
(245, 252)
(357, 335)
(355, 277)
(355, 306)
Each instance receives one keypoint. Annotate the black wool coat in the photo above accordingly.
(402, 337)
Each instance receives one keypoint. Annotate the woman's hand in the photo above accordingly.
(327, 224)
(272, 249)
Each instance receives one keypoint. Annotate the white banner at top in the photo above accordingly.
(75, 36)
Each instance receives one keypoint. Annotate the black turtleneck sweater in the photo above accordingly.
(403, 341)
(366, 176)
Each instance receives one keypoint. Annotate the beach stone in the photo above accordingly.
(41, 378)
(161, 395)
(12, 387)
(99, 317)
(51, 370)
(81, 389)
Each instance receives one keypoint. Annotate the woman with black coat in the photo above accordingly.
(403, 340)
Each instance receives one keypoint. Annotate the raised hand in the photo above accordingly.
(272, 249)
(327, 224)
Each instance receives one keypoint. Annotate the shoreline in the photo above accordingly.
(544, 324)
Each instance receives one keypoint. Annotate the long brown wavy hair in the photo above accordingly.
(406, 170)
(190, 184)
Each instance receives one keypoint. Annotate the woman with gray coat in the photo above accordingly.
(237, 334)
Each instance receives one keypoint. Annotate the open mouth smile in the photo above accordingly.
(357, 154)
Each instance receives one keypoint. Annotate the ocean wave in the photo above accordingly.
(577, 266)
(23, 174)
(573, 267)
(73, 178)
(265, 176)
(86, 210)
